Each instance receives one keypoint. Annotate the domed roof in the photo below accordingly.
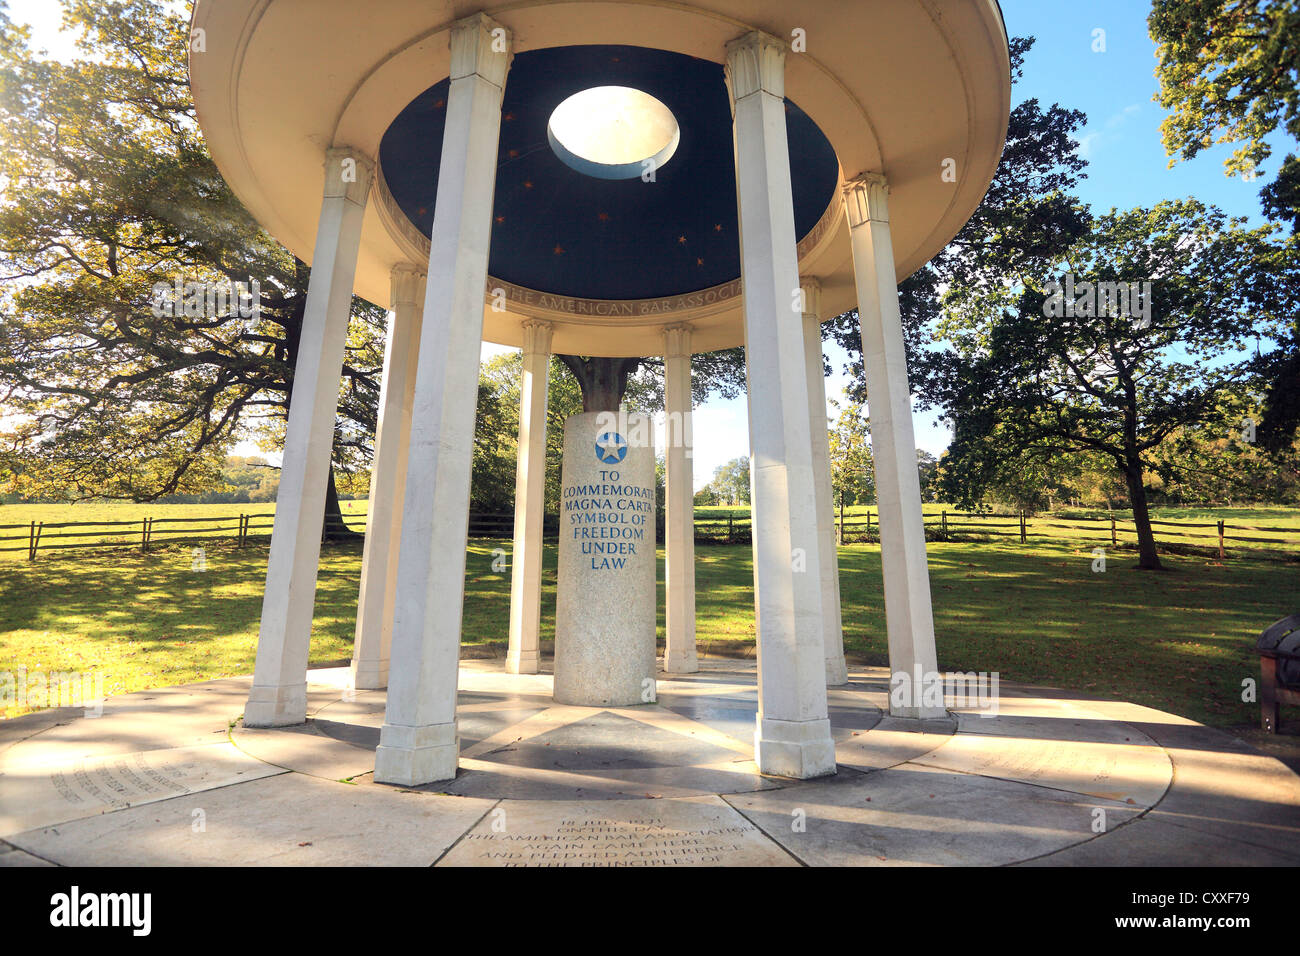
(903, 87)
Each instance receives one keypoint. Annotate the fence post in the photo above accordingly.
(729, 528)
(144, 535)
(839, 537)
(1221, 555)
(31, 543)
(1114, 540)
(869, 522)
(1024, 539)
(943, 518)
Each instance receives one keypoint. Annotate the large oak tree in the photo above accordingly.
(108, 189)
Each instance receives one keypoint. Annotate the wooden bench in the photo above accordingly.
(1279, 666)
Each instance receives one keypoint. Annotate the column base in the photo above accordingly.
(277, 706)
(801, 749)
(410, 756)
(837, 672)
(524, 663)
(681, 663)
(369, 675)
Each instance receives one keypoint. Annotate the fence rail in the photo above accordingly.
(1218, 536)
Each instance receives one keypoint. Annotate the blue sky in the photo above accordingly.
(1127, 163)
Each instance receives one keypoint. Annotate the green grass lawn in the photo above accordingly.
(1180, 641)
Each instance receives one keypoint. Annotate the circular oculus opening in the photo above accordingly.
(613, 132)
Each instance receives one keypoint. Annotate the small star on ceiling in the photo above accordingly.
(558, 250)
(681, 240)
(528, 184)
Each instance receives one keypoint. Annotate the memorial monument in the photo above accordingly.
(605, 588)
(795, 163)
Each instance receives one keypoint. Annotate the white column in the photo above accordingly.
(524, 654)
(827, 555)
(374, 633)
(418, 742)
(679, 535)
(793, 736)
(279, 694)
(908, 617)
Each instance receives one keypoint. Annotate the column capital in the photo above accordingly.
(866, 199)
(810, 288)
(406, 282)
(480, 45)
(348, 174)
(537, 336)
(677, 340)
(755, 63)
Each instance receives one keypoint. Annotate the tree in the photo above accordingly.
(1026, 220)
(730, 484)
(605, 382)
(852, 472)
(1071, 370)
(707, 496)
(496, 435)
(109, 197)
(928, 467)
(496, 432)
(1229, 72)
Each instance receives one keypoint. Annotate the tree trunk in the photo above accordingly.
(1148, 559)
(335, 529)
(603, 380)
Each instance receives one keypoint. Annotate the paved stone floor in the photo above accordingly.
(170, 776)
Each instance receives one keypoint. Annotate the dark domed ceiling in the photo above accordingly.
(557, 230)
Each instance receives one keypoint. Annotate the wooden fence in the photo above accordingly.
(1214, 538)
(145, 532)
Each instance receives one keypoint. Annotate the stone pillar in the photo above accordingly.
(827, 555)
(279, 694)
(793, 736)
(418, 742)
(908, 617)
(679, 534)
(605, 584)
(524, 654)
(374, 633)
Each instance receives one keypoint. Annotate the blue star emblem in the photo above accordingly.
(611, 448)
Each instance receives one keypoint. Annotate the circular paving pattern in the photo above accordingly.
(1041, 777)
